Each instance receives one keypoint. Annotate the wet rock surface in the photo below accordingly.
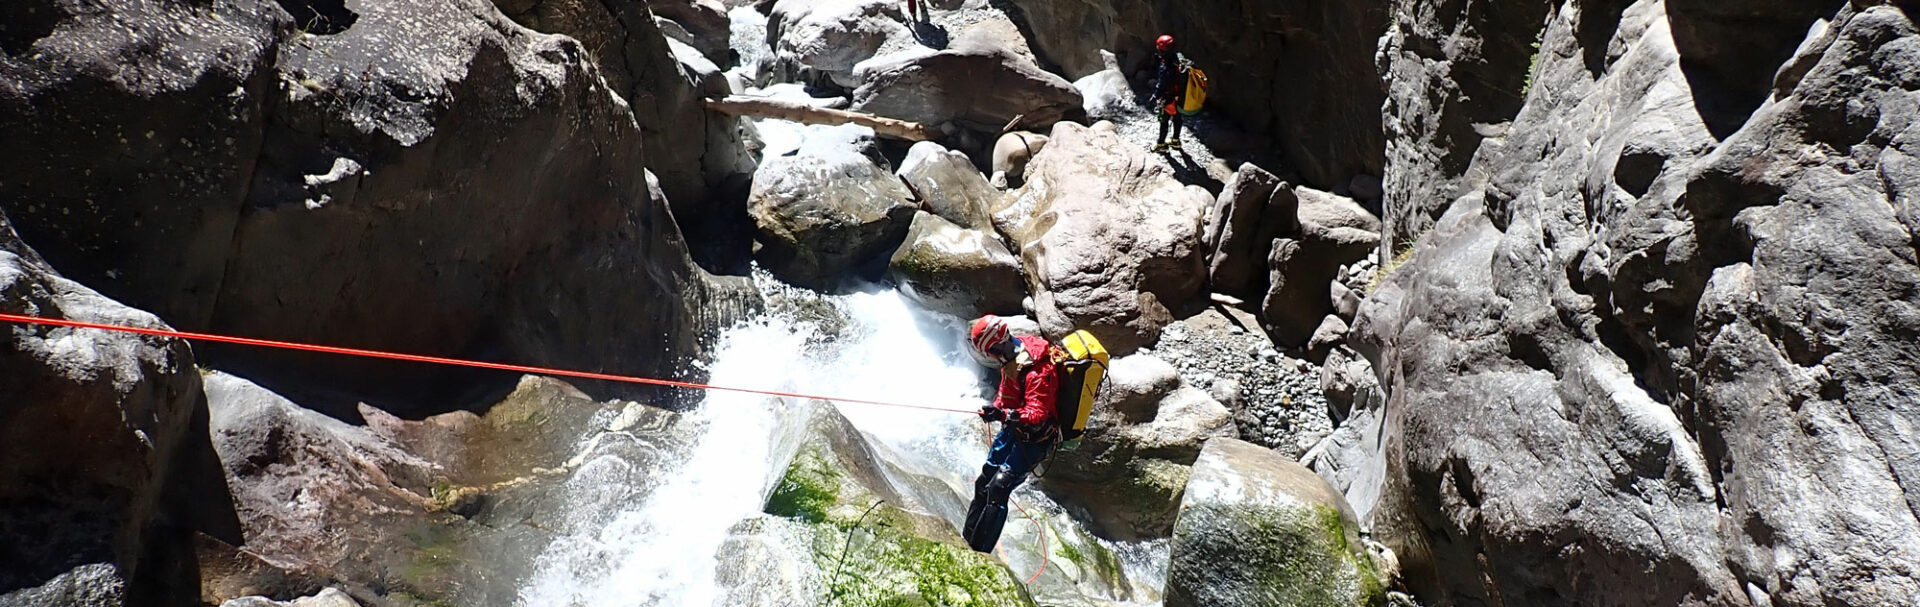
(831, 210)
(453, 508)
(1145, 430)
(961, 272)
(837, 487)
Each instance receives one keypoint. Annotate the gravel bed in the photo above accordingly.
(1276, 399)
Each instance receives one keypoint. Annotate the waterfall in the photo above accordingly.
(635, 537)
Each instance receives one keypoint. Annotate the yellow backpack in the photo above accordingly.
(1083, 367)
(1196, 90)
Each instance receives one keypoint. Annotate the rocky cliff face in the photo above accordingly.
(353, 176)
(1671, 357)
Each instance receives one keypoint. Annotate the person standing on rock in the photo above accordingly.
(1169, 91)
(1029, 381)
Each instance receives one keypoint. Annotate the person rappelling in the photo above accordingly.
(1024, 404)
(1043, 399)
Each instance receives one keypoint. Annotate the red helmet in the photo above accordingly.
(985, 333)
(1165, 42)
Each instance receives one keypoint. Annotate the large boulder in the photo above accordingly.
(454, 508)
(1110, 240)
(1680, 368)
(1145, 430)
(981, 90)
(1012, 153)
(829, 209)
(1257, 529)
(635, 54)
(1328, 232)
(1252, 208)
(827, 38)
(704, 22)
(797, 553)
(962, 272)
(948, 185)
(288, 183)
(104, 434)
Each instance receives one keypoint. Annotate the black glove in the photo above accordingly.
(992, 413)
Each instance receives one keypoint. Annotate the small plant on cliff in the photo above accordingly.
(1533, 64)
(1380, 276)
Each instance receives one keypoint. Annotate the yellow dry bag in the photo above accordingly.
(1083, 366)
(1196, 91)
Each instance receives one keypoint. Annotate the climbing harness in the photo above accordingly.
(439, 360)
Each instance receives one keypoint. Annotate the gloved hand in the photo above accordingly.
(992, 413)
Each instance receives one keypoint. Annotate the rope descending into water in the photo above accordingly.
(439, 360)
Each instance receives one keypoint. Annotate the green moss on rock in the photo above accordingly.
(807, 490)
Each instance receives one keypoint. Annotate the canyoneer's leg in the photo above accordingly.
(1008, 463)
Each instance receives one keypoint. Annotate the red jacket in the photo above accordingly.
(1027, 390)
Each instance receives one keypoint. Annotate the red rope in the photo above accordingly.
(1042, 530)
(287, 345)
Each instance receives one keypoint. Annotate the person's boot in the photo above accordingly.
(979, 506)
(988, 532)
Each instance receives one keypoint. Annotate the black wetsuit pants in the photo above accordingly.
(1008, 463)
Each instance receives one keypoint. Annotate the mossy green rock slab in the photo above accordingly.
(1257, 529)
(843, 528)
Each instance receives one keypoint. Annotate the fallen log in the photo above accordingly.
(763, 107)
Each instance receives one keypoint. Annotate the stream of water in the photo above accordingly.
(654, 542)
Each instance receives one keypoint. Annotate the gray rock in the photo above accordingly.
(829, 209)
(948, 185)
(634, 55)
(1120, 271)
(106, 442)
(1346, 301)
(981, 90)
(1702, 379)
(444, 498)
(962, 272)
(1146, 428)
(290, 183)
(1454, 81)
(1331, 333)
(704, 21)
(1234, 236)
(1106, 95)
(331, 597)
(830, 37)
(1258, 529)
(1011, 154)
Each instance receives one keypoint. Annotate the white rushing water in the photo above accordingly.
(636, 537)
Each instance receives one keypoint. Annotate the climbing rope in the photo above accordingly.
(439, 360)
